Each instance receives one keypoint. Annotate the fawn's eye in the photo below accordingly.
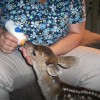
(33, 53)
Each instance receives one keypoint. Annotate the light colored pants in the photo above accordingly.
(87, 72)
(15, 73)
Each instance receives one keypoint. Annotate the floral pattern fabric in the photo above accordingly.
(44, 23)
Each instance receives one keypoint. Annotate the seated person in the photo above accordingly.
(57, 24)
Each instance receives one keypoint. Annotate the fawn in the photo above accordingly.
(47, 68)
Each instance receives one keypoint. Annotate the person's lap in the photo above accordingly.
(87, 72)
(14, 72)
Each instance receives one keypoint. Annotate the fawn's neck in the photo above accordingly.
(47, 83)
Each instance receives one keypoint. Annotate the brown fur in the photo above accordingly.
(91, 39)
(44, 71)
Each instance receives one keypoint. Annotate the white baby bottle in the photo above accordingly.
(12, 28)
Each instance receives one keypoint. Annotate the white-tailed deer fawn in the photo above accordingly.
(47, 68)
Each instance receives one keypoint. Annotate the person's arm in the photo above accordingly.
(77, 18)
(71, 41)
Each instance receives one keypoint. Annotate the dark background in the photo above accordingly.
(93, 15)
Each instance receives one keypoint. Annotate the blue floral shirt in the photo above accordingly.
(44, 23)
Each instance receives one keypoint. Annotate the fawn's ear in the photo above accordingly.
(53, 70)
(67, 61)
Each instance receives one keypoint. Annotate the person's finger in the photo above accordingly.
(10, 37)
(26, 56)
(29, 60)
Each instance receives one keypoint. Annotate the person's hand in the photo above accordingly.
(8, 42)
(26, 56)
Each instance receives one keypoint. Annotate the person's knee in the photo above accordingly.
(91, 80)
(12, 79)
(6, 80)
(4, 95)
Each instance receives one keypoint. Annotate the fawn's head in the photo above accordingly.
(52, 64)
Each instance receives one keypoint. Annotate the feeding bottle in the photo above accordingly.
(12, 28)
